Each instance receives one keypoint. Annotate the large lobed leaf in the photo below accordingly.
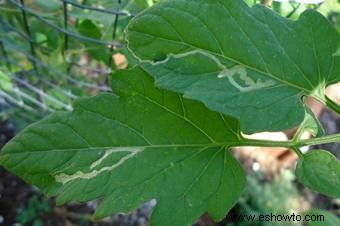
(143, 144)
(249, 63)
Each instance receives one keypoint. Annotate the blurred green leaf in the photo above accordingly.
(90, 29)
(320, 171)
(5, 81)
(326, 218)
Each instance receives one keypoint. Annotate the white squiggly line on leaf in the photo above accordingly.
(229, 73)
(249, 82)
(65, 178)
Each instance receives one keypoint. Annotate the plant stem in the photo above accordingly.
(265, 143)
(332, 105)
(298, 152)
(319, 140)
(291, 144)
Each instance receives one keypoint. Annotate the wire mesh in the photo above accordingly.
(25, 60)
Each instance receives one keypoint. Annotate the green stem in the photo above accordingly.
(332, 105)
(291, 144)
(264, 143)
(298, 152)
(334, 138)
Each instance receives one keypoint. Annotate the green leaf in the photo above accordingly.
(5, 81)
(310, 124)
(143, 144)
(322, 218)
(249, 63)
(89, 29)
(142, 4)
(320, 171)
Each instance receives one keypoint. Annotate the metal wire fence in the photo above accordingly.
(23, 56)
(54, 51)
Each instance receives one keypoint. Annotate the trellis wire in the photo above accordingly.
(36, 90)
(26, 10)
(115, 25)
(4, 53)
(26, 34)
(22, 34)
(54, 70)
(65, 24)
(112, 12)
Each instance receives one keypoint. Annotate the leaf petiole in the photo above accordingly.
(291, 144)
(332, 105)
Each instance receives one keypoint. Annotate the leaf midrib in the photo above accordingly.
(179, 116)
(219, 55)
(102, 148)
